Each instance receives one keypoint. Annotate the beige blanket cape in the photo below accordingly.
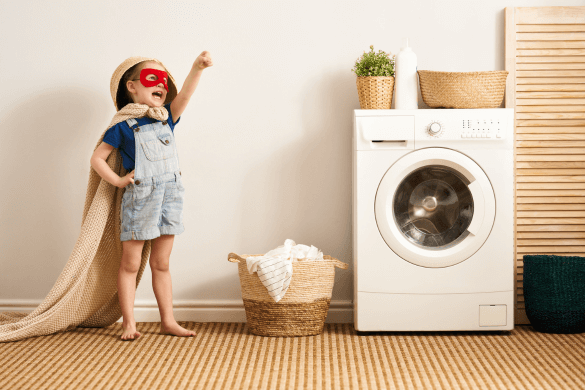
(86, 292)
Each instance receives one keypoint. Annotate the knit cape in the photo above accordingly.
(86, 292)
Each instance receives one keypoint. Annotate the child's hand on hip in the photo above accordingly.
(203, 61)
(124, 181)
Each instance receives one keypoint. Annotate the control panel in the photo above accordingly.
(482, 128)
(476, 126)
(422, 128)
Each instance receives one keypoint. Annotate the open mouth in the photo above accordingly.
(157, 94)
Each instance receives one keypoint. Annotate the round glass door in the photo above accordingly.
(433, 207)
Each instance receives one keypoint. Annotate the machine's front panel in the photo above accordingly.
(377, 268)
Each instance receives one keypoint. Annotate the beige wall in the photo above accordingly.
(264, 146)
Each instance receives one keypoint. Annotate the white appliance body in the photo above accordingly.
(433, 220)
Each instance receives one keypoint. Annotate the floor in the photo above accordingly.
(227, 356)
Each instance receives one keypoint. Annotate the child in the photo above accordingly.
(153, 199)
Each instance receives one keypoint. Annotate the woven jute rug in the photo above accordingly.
(226, 356)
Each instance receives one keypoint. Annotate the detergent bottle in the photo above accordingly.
(406, 96)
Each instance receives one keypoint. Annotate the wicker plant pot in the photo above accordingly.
(302, 310)
(554, 293)
(462, 89)
(375, 93)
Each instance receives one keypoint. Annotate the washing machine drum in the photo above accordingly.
(435, 207)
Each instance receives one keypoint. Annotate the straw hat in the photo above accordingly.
(119, 92)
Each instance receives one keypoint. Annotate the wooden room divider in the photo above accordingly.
(545, 55)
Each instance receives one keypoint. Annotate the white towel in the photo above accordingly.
(275, 267)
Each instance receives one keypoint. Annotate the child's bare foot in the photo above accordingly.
(175, 330)
(129, 331)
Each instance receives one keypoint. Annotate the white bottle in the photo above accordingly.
(406, 96)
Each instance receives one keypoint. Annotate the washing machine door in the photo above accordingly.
(435, 207)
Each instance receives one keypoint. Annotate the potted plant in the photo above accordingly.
(375, 79)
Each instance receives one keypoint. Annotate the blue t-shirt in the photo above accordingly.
(121, 136)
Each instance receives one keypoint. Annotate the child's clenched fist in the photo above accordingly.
(203, 61)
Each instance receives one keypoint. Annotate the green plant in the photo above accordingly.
(374, 64)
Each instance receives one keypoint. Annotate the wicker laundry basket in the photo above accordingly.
(302, 310)
(462, 89)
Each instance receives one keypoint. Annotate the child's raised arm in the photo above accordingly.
(182, 99)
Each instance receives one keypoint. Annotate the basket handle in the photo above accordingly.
(339, 264)
(235, 258)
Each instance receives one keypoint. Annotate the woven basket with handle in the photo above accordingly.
(462, 89)
(302, 310)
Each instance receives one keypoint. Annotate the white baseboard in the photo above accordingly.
(193, 310)
(340, 312)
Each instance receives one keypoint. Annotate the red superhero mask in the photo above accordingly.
(161, 77)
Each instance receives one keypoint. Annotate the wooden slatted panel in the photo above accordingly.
(545, 55)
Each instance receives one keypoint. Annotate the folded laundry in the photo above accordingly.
(275, 268)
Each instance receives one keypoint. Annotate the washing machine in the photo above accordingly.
(433, 220)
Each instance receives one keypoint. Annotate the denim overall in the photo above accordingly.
(153, 205)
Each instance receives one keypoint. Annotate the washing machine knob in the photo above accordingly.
(434, 128)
